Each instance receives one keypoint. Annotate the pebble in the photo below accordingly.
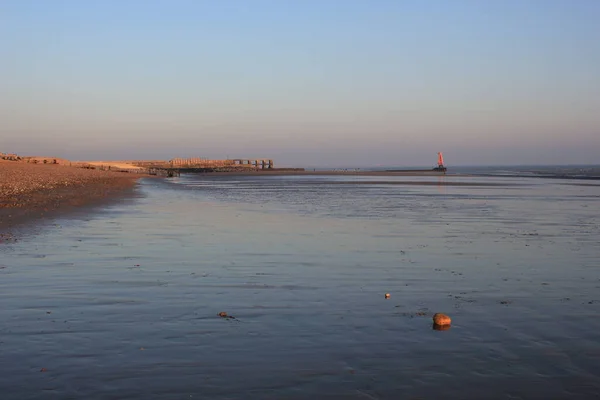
(441, 319)
(223, 314)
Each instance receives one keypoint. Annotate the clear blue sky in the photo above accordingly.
(307, 83)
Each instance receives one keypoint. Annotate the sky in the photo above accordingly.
(332, 83)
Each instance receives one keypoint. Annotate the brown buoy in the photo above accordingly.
(441, 319)
(387, 295)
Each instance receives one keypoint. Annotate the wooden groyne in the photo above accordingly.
(173, 167)
(176, 166)
(194, 163)
(9, 157)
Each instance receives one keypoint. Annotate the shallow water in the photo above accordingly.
(123, 303)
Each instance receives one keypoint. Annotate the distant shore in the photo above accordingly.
(32, 191)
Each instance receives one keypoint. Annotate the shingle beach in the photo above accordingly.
(30, 191)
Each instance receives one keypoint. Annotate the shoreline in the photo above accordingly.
(426, 182)
(31, 192)
(284, 172)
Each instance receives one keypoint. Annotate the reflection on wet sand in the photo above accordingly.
(437, 327)
(304, 270)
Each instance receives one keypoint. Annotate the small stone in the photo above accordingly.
(223, 314)
(387, 295)
(441, 319)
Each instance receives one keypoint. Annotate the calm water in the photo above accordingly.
(122, 304)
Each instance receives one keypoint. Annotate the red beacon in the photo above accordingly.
(440, 162)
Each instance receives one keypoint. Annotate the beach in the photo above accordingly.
(300, 200)
(31, 191)
(124, 300)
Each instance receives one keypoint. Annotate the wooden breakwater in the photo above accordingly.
(9, 157)
(176, 166)
(194, 163)
(173, 167)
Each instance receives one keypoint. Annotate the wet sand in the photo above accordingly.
(428, 179)
(32, 191)
(283, 172)
(411, 183)
(125, 302)
(427, 176)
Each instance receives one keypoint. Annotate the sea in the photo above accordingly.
(122, 301)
